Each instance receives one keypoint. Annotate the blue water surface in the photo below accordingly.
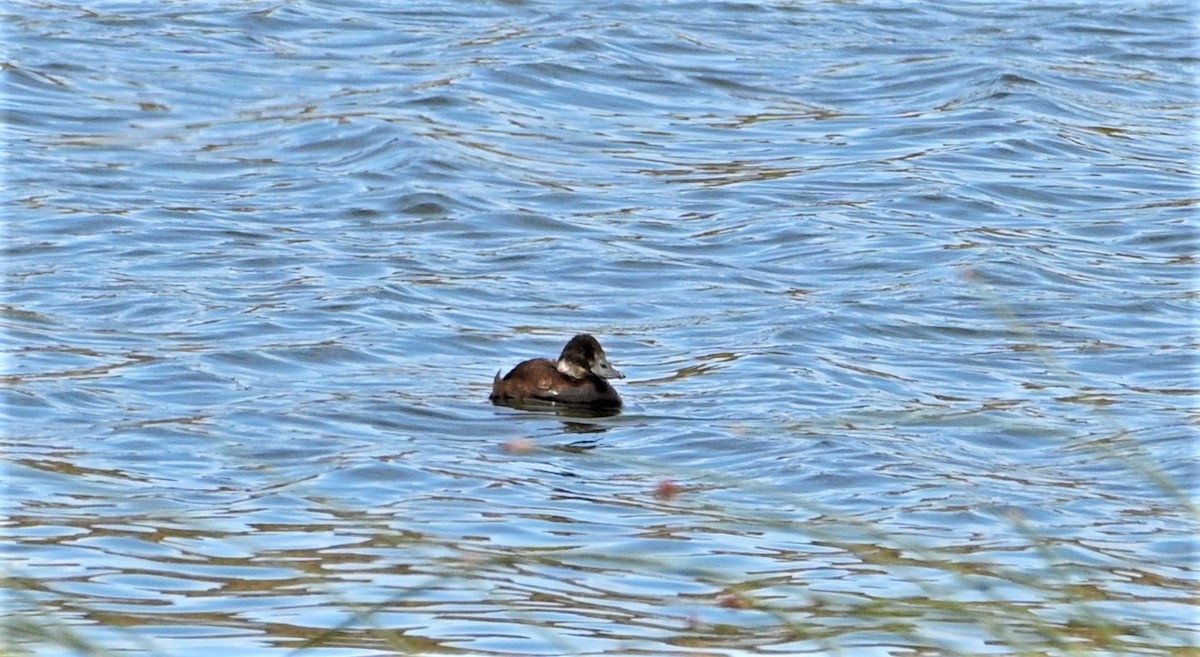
(905, 292)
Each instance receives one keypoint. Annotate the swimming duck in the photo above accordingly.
(577, 378)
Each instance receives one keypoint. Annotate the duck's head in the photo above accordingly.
(583, 354)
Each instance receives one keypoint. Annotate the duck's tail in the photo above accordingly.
(496, 386)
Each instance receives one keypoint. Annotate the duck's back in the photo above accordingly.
(532, 378)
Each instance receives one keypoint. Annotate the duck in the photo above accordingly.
(578, 378)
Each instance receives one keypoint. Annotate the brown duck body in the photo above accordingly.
(540, 379)
(577, 379)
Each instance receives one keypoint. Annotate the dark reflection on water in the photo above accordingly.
(561, 410)
(905, 293)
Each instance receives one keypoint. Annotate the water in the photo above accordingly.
(905, 294)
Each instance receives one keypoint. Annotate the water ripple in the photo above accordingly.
(905, 294)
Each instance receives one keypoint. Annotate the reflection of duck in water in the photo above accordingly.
(577, 379)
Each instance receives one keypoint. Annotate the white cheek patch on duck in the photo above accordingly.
(571, 369)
